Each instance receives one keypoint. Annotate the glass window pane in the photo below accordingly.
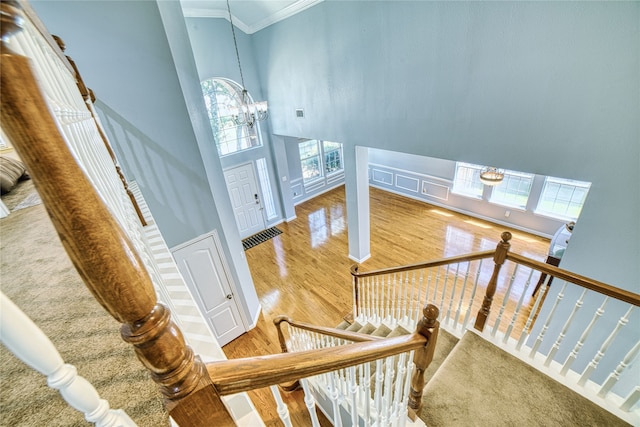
(221, 97)
(310, 160)
(513, 190)
(467, 180)
(562, 198)
(332, 156)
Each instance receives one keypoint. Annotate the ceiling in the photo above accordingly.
(248, 15)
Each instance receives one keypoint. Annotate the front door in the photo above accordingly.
(243, 191)
(201, 264)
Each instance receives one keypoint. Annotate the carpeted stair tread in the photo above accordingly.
(354, 327)
(366, 329)
(398, 331)
(381, 331)
(343, 325)
(481, 385)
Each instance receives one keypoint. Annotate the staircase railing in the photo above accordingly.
(380, 393)
(514, 323)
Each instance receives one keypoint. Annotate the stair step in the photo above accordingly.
(382, 331)
(499, 389)
(343, 325)
(354, 327)
(367, 329)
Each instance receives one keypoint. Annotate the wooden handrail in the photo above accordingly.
(585, 282)
(237, 375)
(426, 264)
(332, 332)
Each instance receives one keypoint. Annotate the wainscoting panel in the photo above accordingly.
(407, 183)
(437, 191)
(382, 177)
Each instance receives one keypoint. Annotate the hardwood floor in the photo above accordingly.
(304, 272)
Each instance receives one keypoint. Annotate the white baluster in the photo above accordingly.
(605, 346)
(24, 339)
(516, 312)
(334, 395)
(407, 389)
(632, 399)
(462, 292)
(394, 315)
(418, 307)
(614, 376)
(504, 302)
(406, 296)
(525, 331)
(543, 331)
(377, 394)
(380, 295)
(356, 291)
(453, 293)
(401, 370)
(310, 402)
(467, 316)
(574, 353)
(389, 314)
(444, 288)
(353, 393)
(388, 390)
(281, 407)
(436, 284)
(565, 327)
(366, 394)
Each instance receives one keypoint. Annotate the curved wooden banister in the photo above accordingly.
(237, 375)
(332, 332)
(427, 264)
(577, 279)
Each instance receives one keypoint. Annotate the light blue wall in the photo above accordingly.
(546, 87)
(214, 53)
(122, 52)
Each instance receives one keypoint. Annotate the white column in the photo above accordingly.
(357, 193)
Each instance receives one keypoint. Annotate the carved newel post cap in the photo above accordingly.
(431, 313)
(506, 236)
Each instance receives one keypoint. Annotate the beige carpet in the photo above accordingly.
(481, 385)
(38, 276)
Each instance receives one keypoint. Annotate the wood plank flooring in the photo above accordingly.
(304, 272)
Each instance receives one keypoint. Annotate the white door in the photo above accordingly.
(243, 191)
(201, 265)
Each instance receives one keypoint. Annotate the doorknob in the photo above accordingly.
(229, 296)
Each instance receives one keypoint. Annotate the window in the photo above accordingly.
(562, 198)
(221, 96)
(332, 157)
(265, 184)
(310, 160)
(514, 189)
(467, 180)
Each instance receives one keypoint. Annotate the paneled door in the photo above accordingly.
(201, 263)
(245, 200)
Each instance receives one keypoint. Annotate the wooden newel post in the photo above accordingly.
(102, 253)
(354, 274)
(498, 258)
(428, 326)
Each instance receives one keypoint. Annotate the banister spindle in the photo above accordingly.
(498, 258)
(101, 252)
(30, 344)
(429, 328)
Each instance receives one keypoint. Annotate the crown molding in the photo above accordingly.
(292, 9)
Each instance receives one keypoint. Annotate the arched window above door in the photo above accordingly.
(222, 97)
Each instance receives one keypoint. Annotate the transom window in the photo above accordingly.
(514, 189)
(562, 198)
(221, 97)
(467, 180)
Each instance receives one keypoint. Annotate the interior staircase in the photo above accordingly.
(470, 382)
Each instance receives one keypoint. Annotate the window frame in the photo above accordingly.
(504, 185)
(462, 188)
(247, 137)
(320, 162)
(586, 186)
(340, 156)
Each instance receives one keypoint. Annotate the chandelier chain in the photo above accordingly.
(235, 43)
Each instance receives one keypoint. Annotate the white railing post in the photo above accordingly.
(614, 376)
(310, 402)
(24, 339)
(281, 407)
(505, 299)
(565, 327)
(574, 353)
(543, 331)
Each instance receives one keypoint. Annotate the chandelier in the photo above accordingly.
(248, 112)
(491, 176)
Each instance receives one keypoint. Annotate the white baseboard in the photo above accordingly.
(359, 261)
